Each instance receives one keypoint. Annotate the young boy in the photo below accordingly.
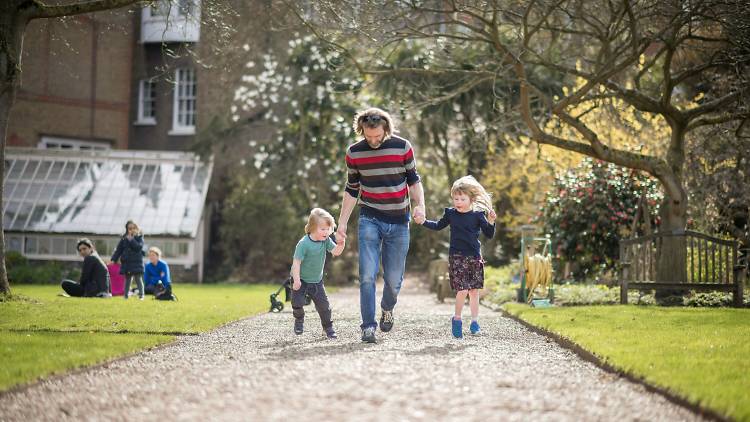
(307, 270)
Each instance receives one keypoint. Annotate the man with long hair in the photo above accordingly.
(382, 177)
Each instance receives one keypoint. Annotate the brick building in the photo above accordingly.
(105, 82)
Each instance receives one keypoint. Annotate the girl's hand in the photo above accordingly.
(491, 217)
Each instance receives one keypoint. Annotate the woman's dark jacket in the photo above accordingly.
(130, 254)
(94, 276)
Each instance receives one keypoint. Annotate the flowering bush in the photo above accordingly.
(591, 208)
(293, 115)
(308, 98)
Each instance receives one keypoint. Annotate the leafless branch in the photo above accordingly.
(42, 11)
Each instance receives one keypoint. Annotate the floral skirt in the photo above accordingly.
(466, 272)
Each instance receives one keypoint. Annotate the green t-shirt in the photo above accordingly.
(313, 256)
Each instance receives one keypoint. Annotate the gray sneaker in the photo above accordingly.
(299, 326)
(386, 321)
(368, 335)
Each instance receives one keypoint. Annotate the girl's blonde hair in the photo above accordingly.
(372, 118)
(316, 216)
(480, 199)
(155, 250)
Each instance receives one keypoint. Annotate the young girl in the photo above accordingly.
(130, 252)
(307, 270)
(465, 265)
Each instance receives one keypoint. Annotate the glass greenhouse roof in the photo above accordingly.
(96, 192)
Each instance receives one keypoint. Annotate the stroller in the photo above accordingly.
(276, 304)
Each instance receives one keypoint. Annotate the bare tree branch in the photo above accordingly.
(715, 120)
(41, 10)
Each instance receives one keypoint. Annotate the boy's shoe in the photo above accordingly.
(299, 327)
(330, 333)
(474, 327)
(456, 328)
(368, 335)
(386, 321)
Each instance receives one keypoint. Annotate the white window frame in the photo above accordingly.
(54, 142)
(166, 8)
(171, 21)
(161, 5)
(142, 118)
(186, 259)
(181, 85)
(183, 5)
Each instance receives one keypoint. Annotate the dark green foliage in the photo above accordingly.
(713, 299)
(259, 232)
(591, 208)
(21, 271)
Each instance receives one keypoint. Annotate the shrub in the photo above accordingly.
(21, 271)
(713, 299)
(501, 283)
(596, 294)
(591, 208)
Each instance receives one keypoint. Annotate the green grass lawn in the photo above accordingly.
(48, 334)
(701, 354)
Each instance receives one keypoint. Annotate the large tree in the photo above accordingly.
(684, 62)
(15, 15)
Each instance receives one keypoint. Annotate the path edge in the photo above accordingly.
(176, 337)
(588, 356)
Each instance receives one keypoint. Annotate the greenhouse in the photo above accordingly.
(53, 197)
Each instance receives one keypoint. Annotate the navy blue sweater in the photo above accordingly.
(465, 227)
(130, 253)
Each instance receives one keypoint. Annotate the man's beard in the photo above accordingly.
(377, 144)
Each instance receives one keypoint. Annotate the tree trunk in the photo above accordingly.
(671, 251)
(11, 41)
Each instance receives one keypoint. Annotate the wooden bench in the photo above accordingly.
(711, 264)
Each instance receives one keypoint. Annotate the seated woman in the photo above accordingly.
(156, 270)
(94, 275)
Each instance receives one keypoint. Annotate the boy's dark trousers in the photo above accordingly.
(317, 293)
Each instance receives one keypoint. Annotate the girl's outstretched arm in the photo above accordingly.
(487, 228)
(440, 224)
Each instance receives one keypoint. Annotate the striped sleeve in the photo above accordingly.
(410, 164)
(352, 175)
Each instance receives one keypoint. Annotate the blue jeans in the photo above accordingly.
(378, 238)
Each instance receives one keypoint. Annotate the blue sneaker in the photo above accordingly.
(474, 327)
(456, 326)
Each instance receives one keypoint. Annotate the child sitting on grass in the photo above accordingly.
(307, 270)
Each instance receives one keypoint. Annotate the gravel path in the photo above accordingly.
(258, 370)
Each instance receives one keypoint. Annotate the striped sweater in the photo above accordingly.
(381, 177)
